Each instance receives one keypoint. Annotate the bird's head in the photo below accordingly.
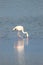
(27, 34)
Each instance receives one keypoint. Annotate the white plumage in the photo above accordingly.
(20, 28)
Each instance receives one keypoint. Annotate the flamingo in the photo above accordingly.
(20, 28)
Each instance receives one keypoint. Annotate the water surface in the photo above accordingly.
(14, 50)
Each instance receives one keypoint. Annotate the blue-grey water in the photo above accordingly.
(14, 50)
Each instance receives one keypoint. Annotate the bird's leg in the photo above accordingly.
(18, 34)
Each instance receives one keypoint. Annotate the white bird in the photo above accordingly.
(20, 28)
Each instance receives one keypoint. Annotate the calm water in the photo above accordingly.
(16, 51)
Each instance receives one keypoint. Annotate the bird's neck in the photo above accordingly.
(25, 33)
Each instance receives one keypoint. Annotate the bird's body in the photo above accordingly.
(20, 28)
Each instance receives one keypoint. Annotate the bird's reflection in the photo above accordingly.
(19, 47)
(20, 43)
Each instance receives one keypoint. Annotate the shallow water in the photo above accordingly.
(21, 51)
(14, 50)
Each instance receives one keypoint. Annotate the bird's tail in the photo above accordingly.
(13, 28)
